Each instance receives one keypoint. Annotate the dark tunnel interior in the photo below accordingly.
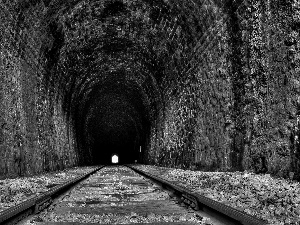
(115, 125)
(105, 63)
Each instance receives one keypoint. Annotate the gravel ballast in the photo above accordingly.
(272, 199)
(117, 195)
(18, 190)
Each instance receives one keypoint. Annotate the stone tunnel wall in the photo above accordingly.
(34, 136)
(197, 104)
(236, 104)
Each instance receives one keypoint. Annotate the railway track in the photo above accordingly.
(122, 195)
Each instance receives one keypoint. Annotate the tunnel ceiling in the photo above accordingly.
(107, 61)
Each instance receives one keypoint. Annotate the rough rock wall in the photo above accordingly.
(270, 102)
(34, 135)
(239, 107)
(191, 127)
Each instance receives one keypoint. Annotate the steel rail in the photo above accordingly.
(222, 212)
(35, 204)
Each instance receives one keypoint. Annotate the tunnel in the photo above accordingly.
(199, 84)
(108, 80)
(115, 125)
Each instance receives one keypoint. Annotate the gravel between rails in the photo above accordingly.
(272, 199)
(117, 195)
(18, 190)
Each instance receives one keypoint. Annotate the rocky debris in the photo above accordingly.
(275, 200)
(117, 195)
(15, 191)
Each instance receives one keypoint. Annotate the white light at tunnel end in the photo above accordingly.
(115, 159)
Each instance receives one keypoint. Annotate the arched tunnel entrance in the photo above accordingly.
(118, 66)
(115, 159)
(107, 77)
(207, 84)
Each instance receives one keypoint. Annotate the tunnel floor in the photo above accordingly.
(273, 199)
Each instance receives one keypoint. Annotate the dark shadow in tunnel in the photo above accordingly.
(115, 124)
(116, 134)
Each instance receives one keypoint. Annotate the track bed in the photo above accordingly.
(116, 195)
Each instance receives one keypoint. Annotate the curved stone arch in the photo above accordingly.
(168, 29)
